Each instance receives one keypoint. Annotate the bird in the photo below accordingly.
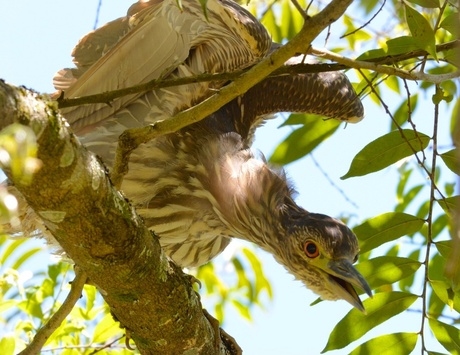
(202, 186)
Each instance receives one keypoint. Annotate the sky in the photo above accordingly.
(37, 39)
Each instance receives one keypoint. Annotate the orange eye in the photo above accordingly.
(311, 249)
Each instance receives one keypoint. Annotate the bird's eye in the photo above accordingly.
(356, 258)
(311, 249)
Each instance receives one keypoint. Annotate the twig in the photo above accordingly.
(300, 9)
(367, 23)
(55, 321)
(404, 74)
(284, 70)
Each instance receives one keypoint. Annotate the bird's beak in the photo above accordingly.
(343, 277)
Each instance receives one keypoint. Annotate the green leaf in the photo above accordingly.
(408, 197)
(386, 150)
(105, 329)
(404, 111)
(243, 309)
(380, 308)
(421, 30)
(449, 204)
(385, 270)
(450, 158)
(304, 139)
(261, 282)
(389, 344)
(7, 345)
(444, 291)
(450, 23)
(444, 248)
(407, 282)
(10, 249)
(269, 21)
(243, 281)
(447, 335)
(385, 228)
(24, 257)
(394, 46)
(430, 4)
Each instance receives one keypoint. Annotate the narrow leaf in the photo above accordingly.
(304, 139)
(386, 150)
(450, 23)
(451, 160)
(385, 270)
(7, 345)
(385, 228)
(449, 204)
(446, 294)
(430, 4)
(355, 324)
(444, 248)
(105, 329)
(389, 344)
(447, 335)
(404, 111)
(421, 30)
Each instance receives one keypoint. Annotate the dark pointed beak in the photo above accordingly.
(343, 277)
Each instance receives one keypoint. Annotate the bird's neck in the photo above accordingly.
(258, 199)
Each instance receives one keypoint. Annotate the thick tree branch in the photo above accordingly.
(151, 297)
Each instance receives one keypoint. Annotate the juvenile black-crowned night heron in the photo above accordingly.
(200, 187)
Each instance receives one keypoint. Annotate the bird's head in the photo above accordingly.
(320, 251)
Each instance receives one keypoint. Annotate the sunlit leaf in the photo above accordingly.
(450, 158)
(447, 335)
(7, 304)
(407, 282)
(8, 251)
(394, 46)
(7, 345)
(435, 305)
(269, 21)
(105, 329)
(384, 270)
(449, 204)
(450, 23)
(446, 294)
(444, 248)
(243, 309)
(24, 257)
(304, 139)
(408, 197)
(261, 282)
(403, 112)
(421, 30)
(431, 4)
(243, 281)
(355, 324)
(388, 344)
(384, 228)
(386, 150)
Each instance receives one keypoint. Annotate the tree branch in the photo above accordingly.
(107, 97)
(312, 27)
(99, 230)
(374, 66)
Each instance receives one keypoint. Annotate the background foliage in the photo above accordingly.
(404, 251)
